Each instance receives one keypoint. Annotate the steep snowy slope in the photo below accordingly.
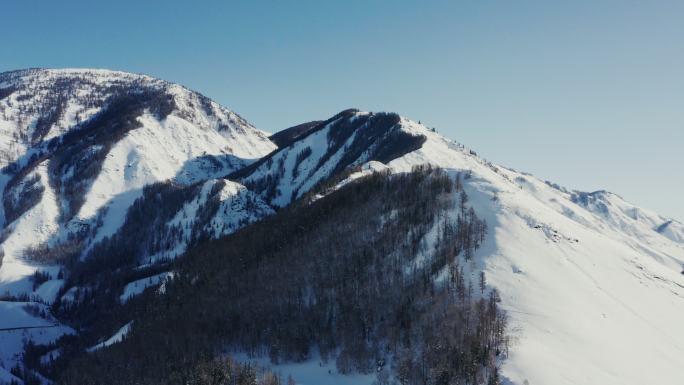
(624, 215)
(37, 316)
(79, 147)
(348, 139)
(592, 283)
(168, 218)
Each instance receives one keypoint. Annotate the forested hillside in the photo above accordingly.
(374, 277)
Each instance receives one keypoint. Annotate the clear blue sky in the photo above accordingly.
(586, 93)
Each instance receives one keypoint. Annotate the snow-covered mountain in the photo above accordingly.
(593, 285)
(348, 139)
(78, 147)
(127, 171)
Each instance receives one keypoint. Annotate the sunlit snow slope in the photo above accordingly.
(78, 147)
(73, 165)
(592, 284)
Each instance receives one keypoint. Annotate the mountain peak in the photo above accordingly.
(36, 71)
(32, 77)
(79, 146)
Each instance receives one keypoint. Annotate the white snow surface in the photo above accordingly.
(591, 283)
(592, 286)
(237, 208)
(19, 315)
(176, 147)
(367, 169)
(593, 296)
(114, 339)
(311, 372)
(137, 287)
(295, 178)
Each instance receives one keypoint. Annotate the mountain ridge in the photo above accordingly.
(542, 238)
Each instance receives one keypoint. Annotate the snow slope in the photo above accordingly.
(592, 286)
(137, 287)
(623, 215)
(349, 139)
(78, 147)
(196, 140)
(116, 338)
(24, 314)
(169, 218)
(311, 372)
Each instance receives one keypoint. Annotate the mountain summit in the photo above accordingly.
(79, 146)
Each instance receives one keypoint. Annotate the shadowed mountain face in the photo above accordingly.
(133, 206)
(285, 137)
(350, 138)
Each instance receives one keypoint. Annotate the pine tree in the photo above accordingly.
(494, 377)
